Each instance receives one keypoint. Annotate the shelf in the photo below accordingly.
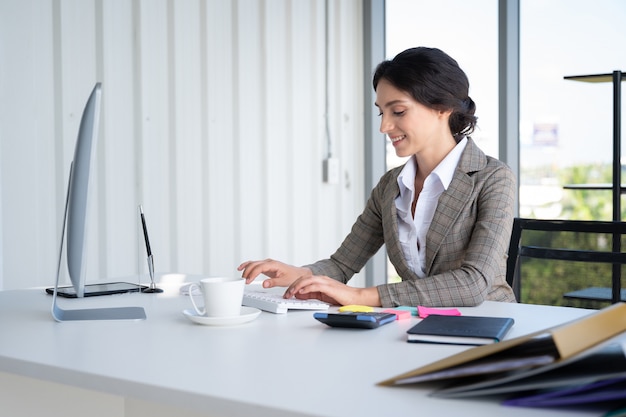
(615, 293)
(605, 186)
(594, 78)
(595, 294)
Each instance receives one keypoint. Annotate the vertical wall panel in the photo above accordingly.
(117, 192)
(221, 197)
(307, 135)
(154, 169)
(350, 110)
(187, 101)
(277, 117)
(46, 224)
(28, 231)
(213, 119)
(328, 142)
(248, 173)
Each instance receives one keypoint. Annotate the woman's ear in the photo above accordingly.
(445, 113)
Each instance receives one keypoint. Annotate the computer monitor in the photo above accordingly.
(75, 219)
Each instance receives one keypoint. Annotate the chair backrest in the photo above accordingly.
(613, 255)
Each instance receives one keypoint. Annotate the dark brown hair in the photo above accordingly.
(435, 80)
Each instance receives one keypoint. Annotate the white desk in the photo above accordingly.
(277, 365)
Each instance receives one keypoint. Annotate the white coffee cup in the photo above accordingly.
(222, 296)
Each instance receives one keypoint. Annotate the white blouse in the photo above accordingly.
(413, 231)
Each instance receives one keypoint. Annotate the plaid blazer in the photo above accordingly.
(466, 245)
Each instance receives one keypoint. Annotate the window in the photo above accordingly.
(566, 127)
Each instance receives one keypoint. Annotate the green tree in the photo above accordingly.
(587, 204)
(545, 281)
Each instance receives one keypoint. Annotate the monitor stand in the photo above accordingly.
(109, 313)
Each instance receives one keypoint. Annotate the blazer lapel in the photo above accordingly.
(453, 201)
(390, 225)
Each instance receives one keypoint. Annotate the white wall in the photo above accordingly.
(213, 118)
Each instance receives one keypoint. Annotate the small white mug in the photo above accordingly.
(222, 296)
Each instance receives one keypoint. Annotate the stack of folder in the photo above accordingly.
(582, 362)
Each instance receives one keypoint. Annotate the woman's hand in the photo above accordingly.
(279, 274)
(332, 291)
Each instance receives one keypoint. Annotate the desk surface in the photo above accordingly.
(276, 365)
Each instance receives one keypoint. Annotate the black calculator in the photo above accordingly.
(369, 320)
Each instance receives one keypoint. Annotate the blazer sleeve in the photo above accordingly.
(365, 238)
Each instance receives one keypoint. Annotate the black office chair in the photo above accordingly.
(607, 243)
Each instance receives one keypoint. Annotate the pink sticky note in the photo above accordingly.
(400, 314)
(423, 312)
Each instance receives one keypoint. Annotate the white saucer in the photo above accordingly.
(247, 314)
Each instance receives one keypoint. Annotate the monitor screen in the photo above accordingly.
(78, 194)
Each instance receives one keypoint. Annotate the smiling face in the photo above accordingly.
(412, 127)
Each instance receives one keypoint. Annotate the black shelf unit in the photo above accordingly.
(615, 293)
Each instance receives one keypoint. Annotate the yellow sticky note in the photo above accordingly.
(355, 309)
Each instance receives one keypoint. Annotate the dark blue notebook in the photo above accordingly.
(460, 330)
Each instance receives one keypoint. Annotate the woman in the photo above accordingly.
(445, 216)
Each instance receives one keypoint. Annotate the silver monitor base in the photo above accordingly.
(111, 313)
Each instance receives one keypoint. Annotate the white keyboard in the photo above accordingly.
(275, 303)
